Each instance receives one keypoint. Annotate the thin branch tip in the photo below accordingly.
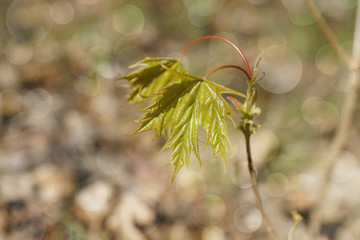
(248, 70)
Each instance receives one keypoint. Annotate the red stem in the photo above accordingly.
(248, 70)
(227, 66)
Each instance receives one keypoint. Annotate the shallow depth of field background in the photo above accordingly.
(68, 170)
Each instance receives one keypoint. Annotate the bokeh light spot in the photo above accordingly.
(345, 167)
(303, 190)
(247, 218)
(96, 55)
(99, 58)
(190, 186)
(186, 27)
(107, 69)
(322, 115)
(199, 14)
(213, 233)
(271, 37)
(282, 67)
(277, 184)
(343, 80)
(240, 175)
(19, 54)
(333, 207)
(129, 21)
(210, 210)
(326, 60)
(62, 12)
(28, 21)
(128, 56)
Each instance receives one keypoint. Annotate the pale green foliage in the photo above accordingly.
(151, 77)
(184, 106)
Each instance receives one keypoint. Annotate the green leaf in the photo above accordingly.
(184, 106)
(151, 77)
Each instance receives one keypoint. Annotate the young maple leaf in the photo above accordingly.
(152, 77)
(186, 105)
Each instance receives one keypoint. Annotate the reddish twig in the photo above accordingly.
(248, 70)
(227, 66)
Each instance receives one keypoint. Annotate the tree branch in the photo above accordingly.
(329, 34)
(346, 115)
(252, 172)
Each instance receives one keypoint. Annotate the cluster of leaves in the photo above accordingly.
(181, 103)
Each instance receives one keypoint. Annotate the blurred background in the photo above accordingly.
(68, 170)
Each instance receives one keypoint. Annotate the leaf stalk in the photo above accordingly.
(248, 70)
(227, 66)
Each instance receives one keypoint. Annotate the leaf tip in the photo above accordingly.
(224, 164)
(177, 167)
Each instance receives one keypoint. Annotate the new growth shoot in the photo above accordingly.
(182, 102)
